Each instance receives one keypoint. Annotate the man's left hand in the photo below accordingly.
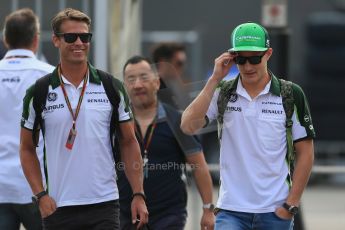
(207, 220)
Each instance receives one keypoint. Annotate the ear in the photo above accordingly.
(5, 43)
(56, 40)
(35, 43)
(157, 82)
(269, 53)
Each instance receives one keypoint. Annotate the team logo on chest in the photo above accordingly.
(52, 96)
(233, 97)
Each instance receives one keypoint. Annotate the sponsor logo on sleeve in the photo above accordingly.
(306, 118)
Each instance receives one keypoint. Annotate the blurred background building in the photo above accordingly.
(307, 37)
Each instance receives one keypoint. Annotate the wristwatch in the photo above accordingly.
(208, 206)
(290, 208)
(36, 198)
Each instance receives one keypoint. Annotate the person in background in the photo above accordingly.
(81, 174)
(258, 189)
(18, 70)
(3, 49)
(165, 150)
(170, 59)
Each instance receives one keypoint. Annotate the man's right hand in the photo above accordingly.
(222, 65)
(139, 209)
(47, 206)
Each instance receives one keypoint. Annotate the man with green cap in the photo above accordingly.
(264, 124)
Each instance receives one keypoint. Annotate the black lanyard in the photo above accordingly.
(146, 144)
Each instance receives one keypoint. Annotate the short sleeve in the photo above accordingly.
(302, 121)
(124, 109)
(28, 114)
(212, 111)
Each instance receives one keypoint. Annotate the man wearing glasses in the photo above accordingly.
(82, 191)
(165, 151)
(256, 190)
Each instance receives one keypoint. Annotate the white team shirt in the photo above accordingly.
(16, 75)
(253, 169)
(86, 174)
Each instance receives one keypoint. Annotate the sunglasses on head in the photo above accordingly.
(72, 37)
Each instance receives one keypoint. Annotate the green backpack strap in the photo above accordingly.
(286, 92)
(41, 89)
(225, 91)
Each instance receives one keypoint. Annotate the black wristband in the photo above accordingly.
(139, 194)
(36, 198)
(207, 121)
(41, 194)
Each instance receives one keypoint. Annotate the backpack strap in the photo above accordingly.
(225, 92)
(41, 89)
(39, 102)
(111, 87)
(286, 92)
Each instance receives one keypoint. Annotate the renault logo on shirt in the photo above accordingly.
(98, 100)
(272, 111)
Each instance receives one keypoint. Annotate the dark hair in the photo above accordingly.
(20, 28)
(135, 60)
(166, 50)
(69, 14)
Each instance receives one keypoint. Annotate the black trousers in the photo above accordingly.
(11, 215)
(98, 216)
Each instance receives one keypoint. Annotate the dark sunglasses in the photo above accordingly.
(72, 37)
(254, 60)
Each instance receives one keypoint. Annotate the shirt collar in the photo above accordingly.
(20, 52)
(275, 85)
(272, 86)
(93, 77)
(161, 114)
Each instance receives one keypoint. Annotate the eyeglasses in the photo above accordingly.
(254, 60)
(131, 80)
(72, 37)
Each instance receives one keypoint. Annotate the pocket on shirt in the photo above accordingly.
(272, 133)
(97, 120)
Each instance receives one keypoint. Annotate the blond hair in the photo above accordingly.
(69, 14)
